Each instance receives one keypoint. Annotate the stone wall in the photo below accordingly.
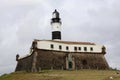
(47, 59)
(90, 61)
(57, 60)
(50, 59)
(25, 64)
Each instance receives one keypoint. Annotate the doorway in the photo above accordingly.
(70, 65)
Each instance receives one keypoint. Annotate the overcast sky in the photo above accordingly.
(21, 21)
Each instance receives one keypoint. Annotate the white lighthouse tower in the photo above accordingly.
(56, 26)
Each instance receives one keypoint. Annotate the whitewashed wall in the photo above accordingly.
(56, 26)
(47, 45)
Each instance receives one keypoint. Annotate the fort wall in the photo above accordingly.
(48, 59)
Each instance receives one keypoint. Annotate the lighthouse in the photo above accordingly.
(56, 26)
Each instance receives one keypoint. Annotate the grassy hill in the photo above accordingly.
(64, 75)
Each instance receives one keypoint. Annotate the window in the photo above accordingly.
(79, 48)
(67, 48)
(85, 48)
(52, 46)
(91, 49)
(75, 48)
(60, 47)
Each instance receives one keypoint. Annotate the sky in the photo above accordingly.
(22, 21)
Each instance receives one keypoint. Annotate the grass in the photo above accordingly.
(63, 75)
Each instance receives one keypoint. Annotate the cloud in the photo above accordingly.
(21, 21)
(19, 2)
